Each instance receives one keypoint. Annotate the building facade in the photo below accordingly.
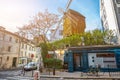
(27, 51)
(74, 23)
(15, 50)
(110, 16)
(82, 58)
(9, 49)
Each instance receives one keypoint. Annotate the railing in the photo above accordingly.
(76, 78)
(47, 74)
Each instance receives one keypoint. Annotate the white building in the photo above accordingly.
(27, 51)
(110, 15)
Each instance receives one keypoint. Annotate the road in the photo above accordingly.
(15, 75)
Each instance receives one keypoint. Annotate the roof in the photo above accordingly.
(8, 32)
(75, 13)
(94, 47)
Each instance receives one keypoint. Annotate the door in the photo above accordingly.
(14, 61)
(77, 61)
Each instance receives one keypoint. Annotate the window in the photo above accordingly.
(29, 48)
(106, 25)
(25, 54)
(21, 53)
(10, 39)
(22, 45)
(105, 55)
(26, 46)
(7, 58)
(102, 4)
(93, 57)
(118, 10)
(93, 61)
(118, 1)
(9, 48)
(1, 36)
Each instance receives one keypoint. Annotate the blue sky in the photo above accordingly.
(16, 13)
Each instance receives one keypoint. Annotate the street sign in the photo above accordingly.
(50, 52)
(32, 55)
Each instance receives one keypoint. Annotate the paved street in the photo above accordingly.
(15, 75)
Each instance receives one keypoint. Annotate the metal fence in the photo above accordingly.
(47, 74)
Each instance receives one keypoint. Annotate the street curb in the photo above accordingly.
(10, 69)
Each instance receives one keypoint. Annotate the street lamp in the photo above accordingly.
(54, 55)
(39, 62)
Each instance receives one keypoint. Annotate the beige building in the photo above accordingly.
(27, 51)
(15, 50)
(9, 49)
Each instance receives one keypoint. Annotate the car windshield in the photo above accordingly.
(31, 64)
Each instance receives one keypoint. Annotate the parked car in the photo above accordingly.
(30, 66)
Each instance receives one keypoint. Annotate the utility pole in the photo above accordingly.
(39, 61)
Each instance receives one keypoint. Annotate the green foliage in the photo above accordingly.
(95, 37)
(44, 50)
(109, 35)
(51, 62)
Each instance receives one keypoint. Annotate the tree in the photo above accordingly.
(40, 25)
(109, 36)
(98, 37)
(95, 37)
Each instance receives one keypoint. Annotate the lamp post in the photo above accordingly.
(54, 63)
(39, 62)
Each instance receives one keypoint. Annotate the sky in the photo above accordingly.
(16, 13)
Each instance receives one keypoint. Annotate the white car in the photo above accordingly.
(30, 66)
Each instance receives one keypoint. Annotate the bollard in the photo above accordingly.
(53, 71)
(32, 73)
(36, 75)
(61, 78)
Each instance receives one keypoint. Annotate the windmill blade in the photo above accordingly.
(60, 10)
(67, 7)
(57, 27)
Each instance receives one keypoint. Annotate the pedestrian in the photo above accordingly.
(23, 71)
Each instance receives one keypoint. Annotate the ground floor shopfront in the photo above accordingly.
(81, 58)
(8, 61)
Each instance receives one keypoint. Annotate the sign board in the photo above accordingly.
(50, 52)
(32, 55)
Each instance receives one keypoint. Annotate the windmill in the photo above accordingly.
(64, 14)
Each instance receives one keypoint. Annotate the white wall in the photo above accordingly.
(90, 55)
(110, 16)
(103, 61)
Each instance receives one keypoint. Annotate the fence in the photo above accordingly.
(64, 75)
(77, 78)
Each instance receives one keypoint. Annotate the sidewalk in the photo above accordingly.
(72, 76)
